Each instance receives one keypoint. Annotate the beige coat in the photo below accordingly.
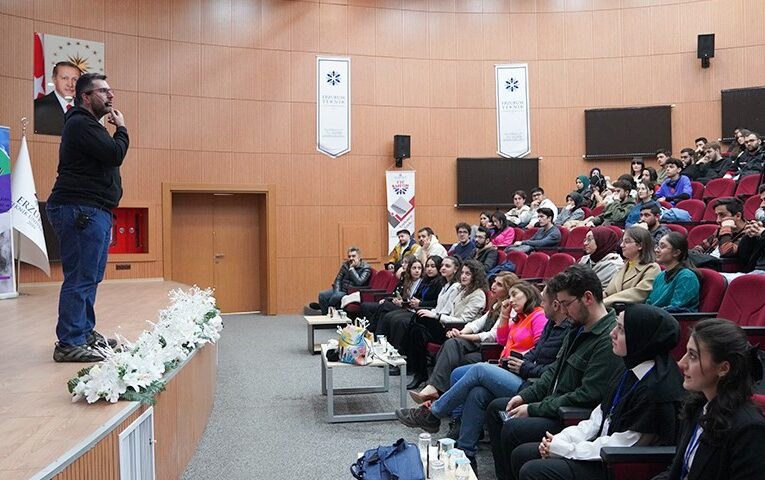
(633, 286)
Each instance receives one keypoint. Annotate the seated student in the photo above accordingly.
(394, 325)
(484, 221)
(616, 212)
(713, 164)
(600, 191)
(649, 175)
(722, 432)
(399, 298)
(583, 188)
(485, 380)
(579, 377)
(504, 235)
(631, 181)
(465, 247)
(751, 249)
(751, 161)
(724, 242)
(547, 235)
(640, 408)
(429, 245)
(538, 200)
(430, 326)
(633, 282)
(600, 246)
(572, 211)
(406, 246)
(662, 155)
(676, 187)
(354, 272)
(636, 169)
(650, 219)
(485, 251)
(676, 289)
(520, 214)
(463, 347)
(645, 195)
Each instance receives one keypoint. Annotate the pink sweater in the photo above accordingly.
(505, 238)
(522, 334)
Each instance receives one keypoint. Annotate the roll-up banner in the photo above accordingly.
(7, 280)
(333, 105)
(400, 187)
(513, 125)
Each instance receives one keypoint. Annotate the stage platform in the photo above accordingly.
(41, 430)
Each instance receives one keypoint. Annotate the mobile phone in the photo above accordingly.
(515, 354)
(504, 415)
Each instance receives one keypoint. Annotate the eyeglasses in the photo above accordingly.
(108, 91)
(567, 303)
(588, 239)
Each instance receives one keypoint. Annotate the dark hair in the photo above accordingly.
(703, 139)
(457, 267)
(665, 151)
(624, 185)
(484, 230)
(533, 297)
(649, 185)
(65, 64)
(403, 230)
(732, 205)
(627, 178)
(675, 162)
(537, 190)
(576, 280)
(547, 212)
(652, 174)
(501, 222)
(486, 214)
(478, 282)
(652, 206)
(406, 278)
(642, 237)
(726, 342)
(761, 189)
(462, 225)
(689, 151)
(84, 84)
(354, 249)
(520, 193)
(678, 241)
(426, 229)
(438, 261)
(756, 135)
(599, 174)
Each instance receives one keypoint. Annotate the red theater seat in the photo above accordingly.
(699, 233)
(747, 186)
(719, 187)
(519, 259)
(535, 265)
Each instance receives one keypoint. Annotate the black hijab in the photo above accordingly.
(652, 406)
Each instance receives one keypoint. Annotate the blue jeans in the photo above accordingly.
(330, 298)
(84, 234)
(480, 384)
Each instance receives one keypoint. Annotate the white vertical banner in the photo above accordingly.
(399, 186)
(333, 105)
(513, 125)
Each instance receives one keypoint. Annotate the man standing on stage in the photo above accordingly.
(87, 188)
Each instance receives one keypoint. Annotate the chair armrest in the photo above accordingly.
(693, 316)
(533, 279)
(638, 454)
(373, 295)
(490, 351)
(573, 415)
(753, 331)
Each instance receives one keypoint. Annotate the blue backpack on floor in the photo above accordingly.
(400, 461)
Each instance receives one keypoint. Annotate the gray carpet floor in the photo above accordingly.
(269, 417)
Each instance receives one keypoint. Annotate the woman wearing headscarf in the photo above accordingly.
(573, 209)
(600, 246)
(584, 189)
(640, 408)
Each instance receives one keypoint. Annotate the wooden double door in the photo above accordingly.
(218, 240)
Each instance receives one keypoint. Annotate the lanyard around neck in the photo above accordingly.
(618, 396)
(690, 452)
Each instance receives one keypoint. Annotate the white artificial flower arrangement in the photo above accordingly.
(135, 371)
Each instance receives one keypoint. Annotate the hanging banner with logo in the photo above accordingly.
(7, 280)
(400, 187)
(513, 125)
(333, 105)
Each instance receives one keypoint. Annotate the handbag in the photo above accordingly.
(399, 461)
(355, 345)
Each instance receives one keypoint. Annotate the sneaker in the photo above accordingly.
(315, 305)
(419, 418)
(454, 428)
(76, 353)
(97, 340)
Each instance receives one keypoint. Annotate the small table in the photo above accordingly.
(321, 322)
(328, 388)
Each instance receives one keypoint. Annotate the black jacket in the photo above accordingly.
(352, 277)
(49, 116)
(88, 162)
(749, 163)
(488, 257)
(710, 171)
(536, 360)
(428, 292)
(752, 251)
(737, 457)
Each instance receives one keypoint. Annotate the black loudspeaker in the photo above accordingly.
(706, 48)
(401, 146)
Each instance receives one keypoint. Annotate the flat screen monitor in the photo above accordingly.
(742, 107)
(490, 182)
(627, 132)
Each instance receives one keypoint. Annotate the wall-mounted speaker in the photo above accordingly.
(401, 148)
(705, 48)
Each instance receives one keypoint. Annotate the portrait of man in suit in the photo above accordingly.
(50, 109)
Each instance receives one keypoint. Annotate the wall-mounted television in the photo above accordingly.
(490, 182)
(742, 107)
(627, 132)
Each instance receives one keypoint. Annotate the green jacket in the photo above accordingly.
(615, 213)
(583, 368)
